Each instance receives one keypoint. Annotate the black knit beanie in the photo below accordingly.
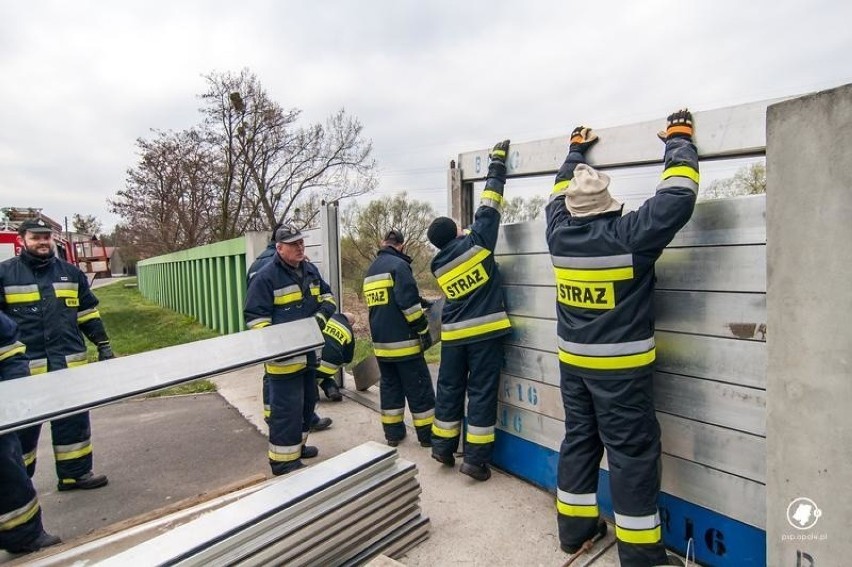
(442, 231)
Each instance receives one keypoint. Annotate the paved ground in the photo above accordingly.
(158, 451)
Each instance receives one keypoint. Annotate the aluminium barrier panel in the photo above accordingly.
(710, 380)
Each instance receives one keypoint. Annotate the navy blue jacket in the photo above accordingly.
(13, 363)
(52, 304)
(467, 273)
(604, 267)
(396, 314)
(339, 348)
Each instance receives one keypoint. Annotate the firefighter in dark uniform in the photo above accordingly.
(604, 266)
(289, 288)
(21, 530)
(473, 324)
(400, 334)
(52, 304)
(330, 388)
(339, 348)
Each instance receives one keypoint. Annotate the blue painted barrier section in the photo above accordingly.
(718, 541)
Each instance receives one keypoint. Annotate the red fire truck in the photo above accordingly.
(12, 217)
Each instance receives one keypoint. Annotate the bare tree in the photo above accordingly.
(748, 180)
(86, 224)
(519, 209)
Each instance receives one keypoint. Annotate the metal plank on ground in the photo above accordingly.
(61, 393)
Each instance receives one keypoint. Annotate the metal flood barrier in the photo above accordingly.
(343, 511)
(52, 395)
(710, 381)
(208, 283)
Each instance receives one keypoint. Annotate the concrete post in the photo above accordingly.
(809, 301)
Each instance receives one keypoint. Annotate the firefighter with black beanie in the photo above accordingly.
(473, 324)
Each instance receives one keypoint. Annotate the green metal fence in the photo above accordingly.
(207, 283)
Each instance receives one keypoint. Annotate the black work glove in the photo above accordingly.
(425, 303)
(321, 321)
(499, 151)
(678, 125)
(425, 341)
(582, 138)
(104, 351)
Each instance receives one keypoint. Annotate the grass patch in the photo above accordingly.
(135, 324)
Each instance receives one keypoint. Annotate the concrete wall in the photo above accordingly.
(809, 259)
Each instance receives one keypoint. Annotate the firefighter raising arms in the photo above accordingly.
(604, 266)
(473, 324)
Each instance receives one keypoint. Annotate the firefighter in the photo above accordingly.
(339, 347)
(400, 334)
(289, 288)
(52, 304)
(604, 266)
(21, 529)
(473, 324)
(317, 423)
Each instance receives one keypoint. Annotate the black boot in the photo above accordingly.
(332, 392)
(476, 472)
(596, 535)
(43, 540)
(88, 481)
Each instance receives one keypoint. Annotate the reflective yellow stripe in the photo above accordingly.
(74, 363)
(88, 317)
(475, 330)
(389, 419)
(29, 458)
(577, 510)
(613, 274)
(65, 293)
(337, 331)
(489, 195)
(278, 368)
(609, 362)
(561, 185)
(38, 370)
(682, 171)
(315, 290)
(397, 352)
(22, 297)
(284, 454)
(261, 325)
(479, 439)
(67, 456)
(17, 348)
(377, 284)
(463, 267)
(20, 516)
(446, 433)
(424, 421)
(287, 298)
(638, 536)
(326, 369)
(414, 316)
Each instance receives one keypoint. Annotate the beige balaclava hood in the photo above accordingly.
(588, 193)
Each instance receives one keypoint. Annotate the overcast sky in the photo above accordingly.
(81, 81)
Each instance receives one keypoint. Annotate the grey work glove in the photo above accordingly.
(104, 351)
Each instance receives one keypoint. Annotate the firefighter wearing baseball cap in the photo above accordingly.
(604, 266)
(289, 288)
(54, 308)
(400, 334)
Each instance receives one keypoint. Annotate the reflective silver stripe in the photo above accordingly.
(378, 278)
(395, 346)
(66, 285)
(678, 182)
(304, 438)
(422, 414)
(475, 430)
(451, 425)
(76, 357)
(327, 368)
(287, 290)
(20, 289)
(395, 411)
(38, 363)
(301, 359)
(72, 447)
(588, 499)
(593, 262)
(610, 349)
(638, 522)
(284, 453)
(84, 312)
(413, 309)
(459, 261)
(327, 297)
(255, 322)
(493, 199)
(475, 322)
(18, 516)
